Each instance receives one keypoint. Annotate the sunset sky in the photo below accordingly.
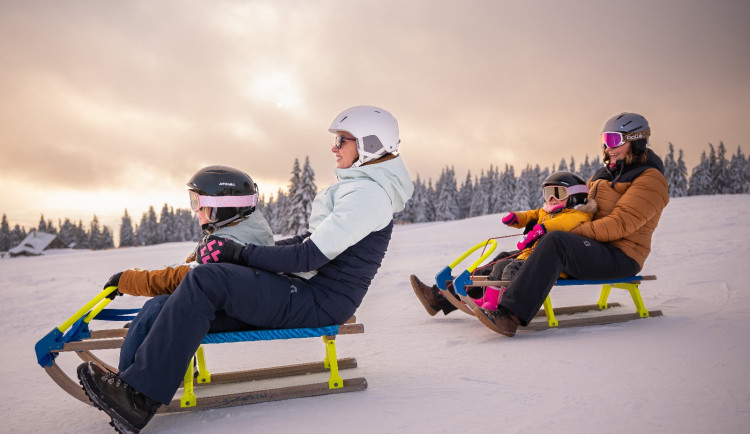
(113, 105)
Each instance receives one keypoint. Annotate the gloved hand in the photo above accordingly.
(216, 249)
(510, 219)
(114, 280)
(536, 232)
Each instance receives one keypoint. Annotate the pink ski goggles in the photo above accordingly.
(198, 201)
(614, 139)
(559, 192)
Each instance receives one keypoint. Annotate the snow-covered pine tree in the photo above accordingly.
(525, 185)
(165, 226)
(670, 169)
(723, 178)
(464, 197)
(5, 235)
(95, 234)
(446, 207)
(305, 196)
(680, 186)
(293, 206)
(105, 240)
(739, 172)
(127, 237)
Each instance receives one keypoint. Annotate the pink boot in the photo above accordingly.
(479, 301)
(491, 298)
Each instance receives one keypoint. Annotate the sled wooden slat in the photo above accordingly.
(266, 395)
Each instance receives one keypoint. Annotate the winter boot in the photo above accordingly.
(430, 297)
(491, 298)
(129, 409)
(501, 320)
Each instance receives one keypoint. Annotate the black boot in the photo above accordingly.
(501, 320)
(129, 409)
(430, 297)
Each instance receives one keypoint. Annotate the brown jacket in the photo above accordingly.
(630, 202)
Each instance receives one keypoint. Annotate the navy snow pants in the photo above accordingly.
(562, 252)
(212, 298)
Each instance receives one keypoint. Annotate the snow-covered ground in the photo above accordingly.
(684, 372)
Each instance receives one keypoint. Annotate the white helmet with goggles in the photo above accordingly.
(375, 129)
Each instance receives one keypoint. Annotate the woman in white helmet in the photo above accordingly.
(311, 280)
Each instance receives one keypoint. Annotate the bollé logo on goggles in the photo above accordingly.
(636, 136)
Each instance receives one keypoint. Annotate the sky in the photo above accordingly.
(684, 372)
(110, 105)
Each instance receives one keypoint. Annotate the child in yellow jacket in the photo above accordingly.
(566, 206)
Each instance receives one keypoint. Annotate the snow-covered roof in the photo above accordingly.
(35, 243)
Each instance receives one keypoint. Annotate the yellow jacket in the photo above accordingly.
(563, 220)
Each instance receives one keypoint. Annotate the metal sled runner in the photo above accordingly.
(465, 303)
(74, 336)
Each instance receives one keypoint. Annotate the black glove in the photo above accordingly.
(114, 280)
(216, 249)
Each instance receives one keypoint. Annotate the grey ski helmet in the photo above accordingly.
(580, 191)
(634, 128)
(223, 181)
(375, 129)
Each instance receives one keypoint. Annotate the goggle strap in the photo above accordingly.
(577, 189)
(227, 201)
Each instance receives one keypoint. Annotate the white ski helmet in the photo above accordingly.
(375, 129)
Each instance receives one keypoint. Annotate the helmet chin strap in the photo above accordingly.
(212, 226)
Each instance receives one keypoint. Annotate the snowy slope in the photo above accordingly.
(684, 372)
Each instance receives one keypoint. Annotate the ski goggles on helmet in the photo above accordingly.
(198, 201)
(338, 141)
(614, 139)
(560, 192)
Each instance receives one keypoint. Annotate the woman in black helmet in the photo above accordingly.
(630, 192)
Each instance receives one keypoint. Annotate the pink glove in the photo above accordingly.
(536, 232)
(510, 219)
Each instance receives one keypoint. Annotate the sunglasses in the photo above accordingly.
(338, 141)
(559, 192)
(198, 201)
(613, 139)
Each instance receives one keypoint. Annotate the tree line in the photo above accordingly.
(492, 191)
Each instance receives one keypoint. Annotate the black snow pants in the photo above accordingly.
(562, 252)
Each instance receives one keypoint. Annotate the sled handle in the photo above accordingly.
(98, 299)
(444, 275)
(492, 245)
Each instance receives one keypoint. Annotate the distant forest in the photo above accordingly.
(489, 192)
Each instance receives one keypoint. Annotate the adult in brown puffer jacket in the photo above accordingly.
(630, 191)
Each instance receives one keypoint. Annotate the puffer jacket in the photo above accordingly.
(350, 229)
(254, 229)
(562, 220)
(630, 201)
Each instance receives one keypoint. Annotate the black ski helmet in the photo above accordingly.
(567, 179)
(224, 181)
(634, 128)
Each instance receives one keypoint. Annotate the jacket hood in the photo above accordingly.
(628, 172)
(391, 175)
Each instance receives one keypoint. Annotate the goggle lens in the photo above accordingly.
(195, 204)
(612, 140)
(557, 191)
(338, 141)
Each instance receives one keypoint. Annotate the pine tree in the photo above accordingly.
(446, 207)
(127, 237)
(67, 233)
(464, 197)
(95, 234)
(680, 180)
(723, 180)
(700, 180)
(506, 190)
(293, 208)
(42, 225)
(146, 234)
(526, 184)
(739, 173)
(305, 196)
(5, 235)
(105, 240)
(670, 170)
(17, 235)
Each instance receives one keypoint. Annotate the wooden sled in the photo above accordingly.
(74, 336)
(461, 300)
